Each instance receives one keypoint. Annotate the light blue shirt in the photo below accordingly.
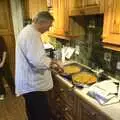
(32, 65)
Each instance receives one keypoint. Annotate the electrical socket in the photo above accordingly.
(118, 65)
(107, 56)
(77, 49)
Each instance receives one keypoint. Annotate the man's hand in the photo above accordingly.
(56, 66)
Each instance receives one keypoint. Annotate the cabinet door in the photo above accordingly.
(36, 6)
(93, 6)
(91, 2)
(111, 30)
(86, 7)
(102, 117)
(75, 7)
(6, 30)
(60, 13)
(88, 113)
(77, 108)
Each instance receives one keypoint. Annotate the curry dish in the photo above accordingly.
(71, 69)
(84, 78)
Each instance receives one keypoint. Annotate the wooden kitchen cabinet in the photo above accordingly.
(61, 101)
(60, 14)
(93, 7)
(75, 7)
(7, 32)
(88, 113)
(111, 29)
(84, 111)
(91, 2)
(32, 7)
(61, 25)
(86, 7)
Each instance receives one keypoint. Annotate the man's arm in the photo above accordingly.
(3, 59)
(35, 54)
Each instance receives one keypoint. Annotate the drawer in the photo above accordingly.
(62, 106)
(88, 112)
(67, 96)
(68, 116)
(66, 93)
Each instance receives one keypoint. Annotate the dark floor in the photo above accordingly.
(12, 108)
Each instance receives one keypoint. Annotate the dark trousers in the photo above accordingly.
(6, 73)
(36, 106)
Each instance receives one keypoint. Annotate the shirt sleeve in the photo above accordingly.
(36, 55)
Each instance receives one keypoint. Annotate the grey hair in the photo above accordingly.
(42, 17)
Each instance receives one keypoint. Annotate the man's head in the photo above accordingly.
(43, 21)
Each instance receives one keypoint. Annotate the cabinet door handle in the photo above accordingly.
(69, 89)
(61, 90)
(93, 114)
(66, 109)
(57, 99)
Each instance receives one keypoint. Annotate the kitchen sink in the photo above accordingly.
(100, 77)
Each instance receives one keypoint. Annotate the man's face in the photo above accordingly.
(46, 25)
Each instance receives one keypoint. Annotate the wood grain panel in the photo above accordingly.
(6, 30)
(111, 29)
(5, 20)
(36, 6)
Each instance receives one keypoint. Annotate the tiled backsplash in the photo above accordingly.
(92, 52)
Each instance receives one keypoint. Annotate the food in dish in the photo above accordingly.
(84, 78)
(71, 69)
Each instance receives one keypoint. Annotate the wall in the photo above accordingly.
(17, 16)
(92, 52)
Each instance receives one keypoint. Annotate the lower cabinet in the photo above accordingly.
(66, 105)
(61, 101)
(82, 110)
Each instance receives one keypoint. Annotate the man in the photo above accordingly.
(33, 76)
(4, 70)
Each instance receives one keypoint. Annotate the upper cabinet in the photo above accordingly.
(75, 7)
(111, 30)
(86, 7)
(32, 7)
(60, 13)
(61, 25)
(89, 3)
(93, 6)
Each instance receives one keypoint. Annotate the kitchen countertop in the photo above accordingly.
(112, 110)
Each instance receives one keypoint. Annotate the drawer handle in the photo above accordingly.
(69, 89)
(66, 109)
(92, 114)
